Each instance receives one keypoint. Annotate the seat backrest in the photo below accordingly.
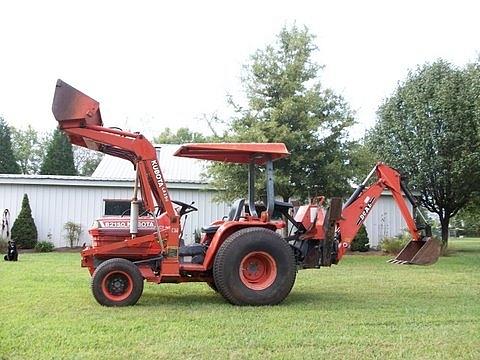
(236, 210)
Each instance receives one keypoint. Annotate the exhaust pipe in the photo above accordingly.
(134, 207)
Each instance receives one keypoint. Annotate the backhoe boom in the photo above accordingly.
(357, 209)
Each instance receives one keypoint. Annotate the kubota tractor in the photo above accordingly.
(242, 256)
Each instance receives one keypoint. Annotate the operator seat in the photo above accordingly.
(233, 215)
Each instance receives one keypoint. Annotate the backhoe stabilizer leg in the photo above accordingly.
(329, 245)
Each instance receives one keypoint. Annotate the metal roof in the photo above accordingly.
(174, 169)
(61, 180)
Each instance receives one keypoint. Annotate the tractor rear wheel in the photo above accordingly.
(117, 282)
(254, 266)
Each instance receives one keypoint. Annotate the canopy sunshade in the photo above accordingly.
(241, 153)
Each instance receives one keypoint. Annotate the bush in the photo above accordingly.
(44, 246)
(361, 242)
(3, 245)
(24, 231)
(393, 245)
(73, 233)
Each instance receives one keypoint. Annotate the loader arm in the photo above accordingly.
(358, 207)
(79, 118)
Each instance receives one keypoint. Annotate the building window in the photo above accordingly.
(119, 207)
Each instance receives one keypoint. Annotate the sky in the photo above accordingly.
(158, 64)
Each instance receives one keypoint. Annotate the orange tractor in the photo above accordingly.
(242, 256)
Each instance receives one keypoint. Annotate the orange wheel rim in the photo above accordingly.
(258, 270)
(117, 285)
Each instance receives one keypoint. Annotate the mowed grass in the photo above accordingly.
(362, 308)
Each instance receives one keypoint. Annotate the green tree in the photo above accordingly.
(59, 157)
(361, 160)
(85, 160)
(8, 164)
(182, 136)
(429, 129)
(286, 103)
(468, 219)
(24, 231)
(28, 149)
(361, 242)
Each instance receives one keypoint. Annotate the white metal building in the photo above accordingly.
(385, 220)
(56, 200)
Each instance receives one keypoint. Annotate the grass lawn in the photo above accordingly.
(361, 308)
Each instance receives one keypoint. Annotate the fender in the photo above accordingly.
(225, 231)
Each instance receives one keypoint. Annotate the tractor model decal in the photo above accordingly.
(125, 224)
(160, 181)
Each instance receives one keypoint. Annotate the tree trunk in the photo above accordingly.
(444, 223)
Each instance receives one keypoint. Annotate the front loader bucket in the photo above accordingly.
(72, 108)
(419, 252)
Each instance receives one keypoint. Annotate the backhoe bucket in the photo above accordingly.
(418, 252)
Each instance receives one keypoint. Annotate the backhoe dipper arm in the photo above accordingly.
(360, 204)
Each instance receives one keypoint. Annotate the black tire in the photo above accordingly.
(117, 282)
(254, 266)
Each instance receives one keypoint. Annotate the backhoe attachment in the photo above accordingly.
(418, 252)
(422, 249)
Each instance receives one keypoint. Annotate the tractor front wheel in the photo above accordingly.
(254, 266)
(117, 282)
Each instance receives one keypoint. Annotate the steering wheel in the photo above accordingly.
(184, 208)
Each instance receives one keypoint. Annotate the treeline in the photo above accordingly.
(25, 151)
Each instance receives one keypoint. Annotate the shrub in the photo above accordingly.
(24, 231)
(3, 245)
(73, 233)
(44, 246)
(361, 242)
(393, 245)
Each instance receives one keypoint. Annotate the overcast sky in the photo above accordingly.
(157, 64)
